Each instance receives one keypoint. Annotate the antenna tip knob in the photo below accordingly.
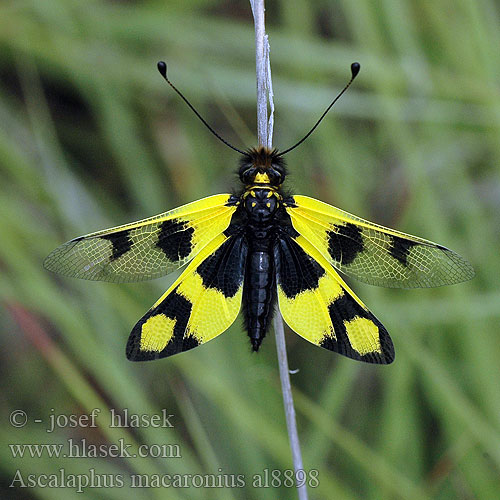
(162, 68)
(355, 67)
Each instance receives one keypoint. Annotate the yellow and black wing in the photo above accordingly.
(375, 254)
(202, 303)
(319, 306)
(145, 249)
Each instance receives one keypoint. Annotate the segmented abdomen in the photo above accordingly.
(259, 295)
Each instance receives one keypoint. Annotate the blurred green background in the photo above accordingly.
(91, 137)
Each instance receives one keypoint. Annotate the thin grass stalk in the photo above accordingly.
(265, 138)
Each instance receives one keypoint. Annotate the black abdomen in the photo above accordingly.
(259, 295)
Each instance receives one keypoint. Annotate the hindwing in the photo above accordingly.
(375, 254)
(145, 249)
(202, 303)
(317, 304)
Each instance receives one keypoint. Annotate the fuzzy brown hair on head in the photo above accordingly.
(262, 160)
(262, 157)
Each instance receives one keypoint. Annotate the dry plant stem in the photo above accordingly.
(265, 136)
(261, 72)
(286, 389)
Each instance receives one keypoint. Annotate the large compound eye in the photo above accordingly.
(247, 175)
(276, 176)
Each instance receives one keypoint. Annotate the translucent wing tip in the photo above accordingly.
(55, 262)
(459, 269)
(74, 261)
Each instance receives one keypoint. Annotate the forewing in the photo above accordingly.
(375, 254)
(319, 306)
(200, 305)
(145, 249)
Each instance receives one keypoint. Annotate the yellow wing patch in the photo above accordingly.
(145, 249)
(319, 306)
(156, 333)
(306, 311)
(211, 309)
(363, 335)
(202, 303)
(372, 253)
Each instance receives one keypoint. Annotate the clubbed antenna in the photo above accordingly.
(162, 68)
(355, 67)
